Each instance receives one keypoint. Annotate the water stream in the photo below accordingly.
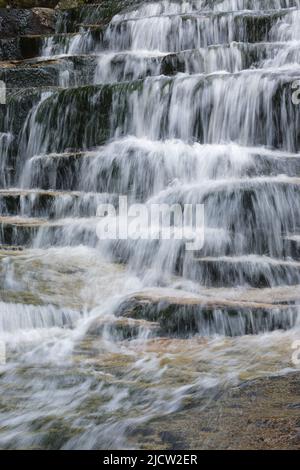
(188, 102)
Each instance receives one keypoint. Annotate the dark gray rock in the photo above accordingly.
(10, 49)
(18, 22)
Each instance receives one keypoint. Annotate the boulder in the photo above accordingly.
(17, 22)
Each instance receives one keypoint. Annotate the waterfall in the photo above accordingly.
(169, 104)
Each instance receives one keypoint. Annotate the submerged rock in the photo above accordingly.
(261, 414)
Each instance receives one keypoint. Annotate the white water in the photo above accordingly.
(212, 133)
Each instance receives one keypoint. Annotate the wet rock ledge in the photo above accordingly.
(259, 414)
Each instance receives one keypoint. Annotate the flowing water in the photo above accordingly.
(172, 102)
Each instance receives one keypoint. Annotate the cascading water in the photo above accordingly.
(172, 103)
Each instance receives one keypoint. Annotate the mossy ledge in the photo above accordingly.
(188, 315)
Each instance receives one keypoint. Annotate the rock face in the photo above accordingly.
(28, 3)
(18, 22)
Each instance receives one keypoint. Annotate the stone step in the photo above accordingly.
(174, 257)
(274, 163)
(16, 317)
(252, 270)
(52, 204)
(68, 19)
(30, 41)
(30, 76)
(80, 118)
(118, 167)
(291, 244)
(40, 72)
(61, 277)
(150, 8)
(222, 5)
(186, 31)
(183, 313)
(61, 171)
(260, 259)
(22, 47)
(256, 213)
(29, 46)
(233, 57)
(19, 231)
(121, 328)
(209, 29)
(283, 295)
(251, 4)
(87, 41)
(19, 103)
(66, 70)
(44, 233)
(7, 249)
(233, 207)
